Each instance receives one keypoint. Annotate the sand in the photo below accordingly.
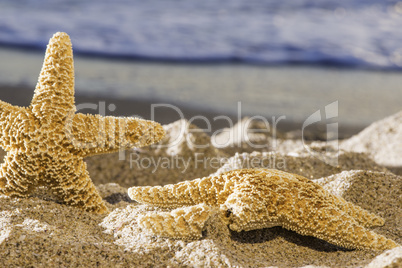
(40, 232)
(381, 141)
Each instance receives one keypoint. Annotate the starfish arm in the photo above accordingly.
(54, 93)
(78, 190)
(326, 222)
(208, 190)
(16, 179)
(336, 227)
(300, 206)
(362, 216)
(95, 134)
(181, 223)
(12, 120)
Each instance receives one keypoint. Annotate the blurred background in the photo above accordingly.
(278, 58)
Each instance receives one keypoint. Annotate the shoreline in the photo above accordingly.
(21, 96)
(364, 96)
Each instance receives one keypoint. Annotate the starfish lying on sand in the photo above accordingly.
(251, 199)
(47, 141)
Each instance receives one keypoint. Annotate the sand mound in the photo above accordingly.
(391, 259)
(305, 165)
(382, 141)
(247, 135)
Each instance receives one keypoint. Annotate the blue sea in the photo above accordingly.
(346, 33)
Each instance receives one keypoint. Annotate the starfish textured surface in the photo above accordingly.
(47, 141)
(251, 199)
(185, 222)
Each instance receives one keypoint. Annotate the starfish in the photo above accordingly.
(249, 199)
(47, 141)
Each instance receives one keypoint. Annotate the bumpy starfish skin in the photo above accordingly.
(185, 222)
(46, 142)
(261, 198)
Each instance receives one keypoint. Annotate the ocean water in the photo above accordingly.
(284, 43)
(346, 33)
(238, 90)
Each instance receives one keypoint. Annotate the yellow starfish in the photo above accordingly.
(47, 141)
(251, 199)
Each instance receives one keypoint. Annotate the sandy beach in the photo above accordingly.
(41, 232)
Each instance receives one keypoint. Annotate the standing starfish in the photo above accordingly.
(251, 199)
(47, 141)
